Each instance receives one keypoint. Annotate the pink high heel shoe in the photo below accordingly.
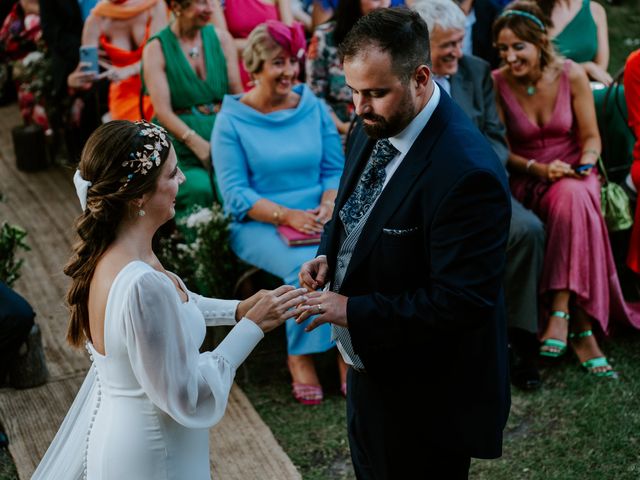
(307, 394)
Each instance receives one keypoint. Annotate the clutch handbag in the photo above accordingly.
(294, 238)
(614, 203)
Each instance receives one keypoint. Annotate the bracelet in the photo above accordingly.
(186, 135)
(277, 215)
(529, 163)
(592, 151)
(328, 203)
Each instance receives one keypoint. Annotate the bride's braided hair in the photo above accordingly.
(122, 161)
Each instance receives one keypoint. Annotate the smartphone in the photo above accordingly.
(582, 169)
(89, 55)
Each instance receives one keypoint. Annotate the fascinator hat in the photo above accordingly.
(291, 39)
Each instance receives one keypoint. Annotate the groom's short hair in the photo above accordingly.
(400, 32)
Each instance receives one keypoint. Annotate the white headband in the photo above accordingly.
(82, 186)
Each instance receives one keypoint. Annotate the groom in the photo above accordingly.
(413, 260)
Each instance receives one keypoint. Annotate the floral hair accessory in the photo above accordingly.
(145, 159)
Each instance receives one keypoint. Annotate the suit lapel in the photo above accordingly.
(417, 160)
(461, 88)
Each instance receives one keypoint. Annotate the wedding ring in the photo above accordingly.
(320, 309)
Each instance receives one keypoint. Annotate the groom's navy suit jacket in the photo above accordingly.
(425, 308)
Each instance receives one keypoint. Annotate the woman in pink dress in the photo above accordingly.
(242, 16)
(547, 106)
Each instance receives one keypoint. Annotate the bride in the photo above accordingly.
(145, 406)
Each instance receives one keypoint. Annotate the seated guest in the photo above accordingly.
(188, 67)
(322, 11)
(325, 76)
(278, 158)
(632, 95)
(20, 31)
(579, 31)
(121, 29)
(547, 106)
(468, 80)
(480, 15)
(76, 111)
(16, 320)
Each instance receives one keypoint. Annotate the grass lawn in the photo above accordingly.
(575, 427)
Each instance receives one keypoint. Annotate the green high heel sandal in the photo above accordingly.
(597, 362)
(559, 346)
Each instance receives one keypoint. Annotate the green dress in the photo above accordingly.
(579, 39)
(188, 91)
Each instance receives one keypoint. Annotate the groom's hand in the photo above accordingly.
(313, 273)
(330, 307)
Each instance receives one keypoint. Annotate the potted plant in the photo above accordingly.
(32, 141)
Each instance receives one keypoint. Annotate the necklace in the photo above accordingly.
(194, 52)
(531, 88)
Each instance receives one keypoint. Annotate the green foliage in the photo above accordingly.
(624, 31)
(201, 254)
(11, 240)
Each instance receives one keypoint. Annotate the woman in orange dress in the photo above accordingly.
(121, 28)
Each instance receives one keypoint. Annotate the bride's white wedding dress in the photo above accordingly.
(144, 408)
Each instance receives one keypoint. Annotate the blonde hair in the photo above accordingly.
(260, 47)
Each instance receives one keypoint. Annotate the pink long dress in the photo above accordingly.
(578, 254)
(242, 16)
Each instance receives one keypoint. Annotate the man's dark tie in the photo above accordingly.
(369, 186)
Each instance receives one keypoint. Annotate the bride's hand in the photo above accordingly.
(245, 305)
(276, 306)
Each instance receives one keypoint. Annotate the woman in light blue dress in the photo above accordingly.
(278, 160)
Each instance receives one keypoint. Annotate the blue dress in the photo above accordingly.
(289, 157)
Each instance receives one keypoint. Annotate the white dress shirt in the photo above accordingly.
(404, 140)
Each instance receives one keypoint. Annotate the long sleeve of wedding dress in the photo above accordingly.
(152, 364)
(216, 312)
(192, 388)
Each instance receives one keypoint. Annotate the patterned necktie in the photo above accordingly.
(369, 186)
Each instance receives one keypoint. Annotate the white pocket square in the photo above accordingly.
(399, 232)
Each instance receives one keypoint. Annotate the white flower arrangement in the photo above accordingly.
(200, 252)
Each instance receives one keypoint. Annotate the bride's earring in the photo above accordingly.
(141, 212)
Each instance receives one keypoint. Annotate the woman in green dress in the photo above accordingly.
(580, 33)
(187, 68)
